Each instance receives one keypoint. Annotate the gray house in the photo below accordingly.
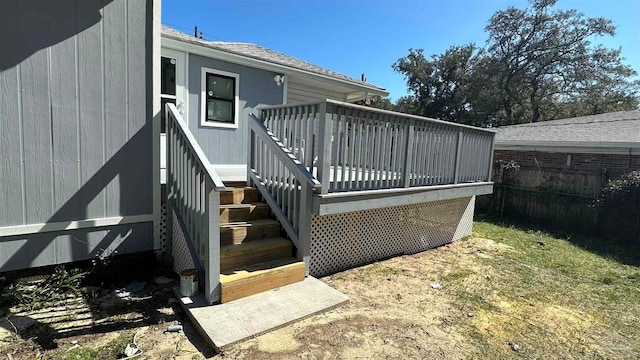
(271, 173)
(77, 131)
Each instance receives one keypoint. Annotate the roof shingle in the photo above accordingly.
(615, 127)
(261, 53)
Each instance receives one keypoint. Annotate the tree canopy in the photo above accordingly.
(537, 64)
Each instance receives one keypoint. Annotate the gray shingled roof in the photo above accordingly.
(260, 53)
(615, 127)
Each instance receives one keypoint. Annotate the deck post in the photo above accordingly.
(212, 250)
(456, 171)
(408, 156)
(169, 185)
(325, 128)
(252, 150)
(304, 227)
(493, 146)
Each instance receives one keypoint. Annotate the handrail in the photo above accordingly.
(193, 192)
(285, 183)
(381, 111)
(192, 143)
(300, 171)
(350, 147)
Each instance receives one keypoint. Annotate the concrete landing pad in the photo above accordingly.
(226, 324)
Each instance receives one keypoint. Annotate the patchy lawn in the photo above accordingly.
(503, 293)
(501, 290)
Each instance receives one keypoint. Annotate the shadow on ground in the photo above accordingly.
(624, 252)
(95, 320)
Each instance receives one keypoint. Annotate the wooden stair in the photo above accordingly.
(253, 256)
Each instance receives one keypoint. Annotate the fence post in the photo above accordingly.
(212, 250)
(304, 227)
(408, 156)
(456, 171)
(325, 128)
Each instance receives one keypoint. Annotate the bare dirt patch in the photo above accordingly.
(100, 328)
(528, 296)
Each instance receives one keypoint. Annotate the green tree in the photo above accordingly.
(538, 64)
(537, 50)
(440, 84)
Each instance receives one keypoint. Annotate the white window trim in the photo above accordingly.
(203, 97)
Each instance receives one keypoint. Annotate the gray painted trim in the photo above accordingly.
(337, 203)
(387, 112)
(73, 225)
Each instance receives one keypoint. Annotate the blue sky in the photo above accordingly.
(368, 36)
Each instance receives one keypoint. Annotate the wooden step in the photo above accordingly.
(242, 231)
(243, 212)
(253, 252)
(259, 278)
(236, 184)
(239, 195)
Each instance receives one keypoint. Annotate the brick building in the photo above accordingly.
(561, 166)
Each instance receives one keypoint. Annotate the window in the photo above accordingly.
(167, 86)
(219, 98)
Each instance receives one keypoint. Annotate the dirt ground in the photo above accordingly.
(393, 312)
(446, 303)
(101, 328)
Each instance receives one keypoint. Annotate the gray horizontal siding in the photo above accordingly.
(299, 93)
(75, 130)
(257, 87)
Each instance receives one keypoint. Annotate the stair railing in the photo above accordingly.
(285, 183)
(193, 191)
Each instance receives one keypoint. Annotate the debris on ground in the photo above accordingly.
(132, 350)
(174, 328)
(436, 286)
(128, 291)
(514, 346)
(162, 280)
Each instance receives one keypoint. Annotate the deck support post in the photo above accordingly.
(408, 156)
(456, 171)
(324, 152)
(304, 227)
(212, 250)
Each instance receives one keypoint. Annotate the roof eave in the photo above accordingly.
(500, 144)
(194, 47)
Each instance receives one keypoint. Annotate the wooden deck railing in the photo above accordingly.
(193, 191)
(350, 148)
(285, 184)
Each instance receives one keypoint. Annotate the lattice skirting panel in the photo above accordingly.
(180, 249)
(163, 228)
(343, 241)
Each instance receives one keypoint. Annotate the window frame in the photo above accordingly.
(203, 99)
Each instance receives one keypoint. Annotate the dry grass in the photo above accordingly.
(552, 298)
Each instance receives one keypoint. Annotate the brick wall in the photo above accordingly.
(552, 192)
(616, 163)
